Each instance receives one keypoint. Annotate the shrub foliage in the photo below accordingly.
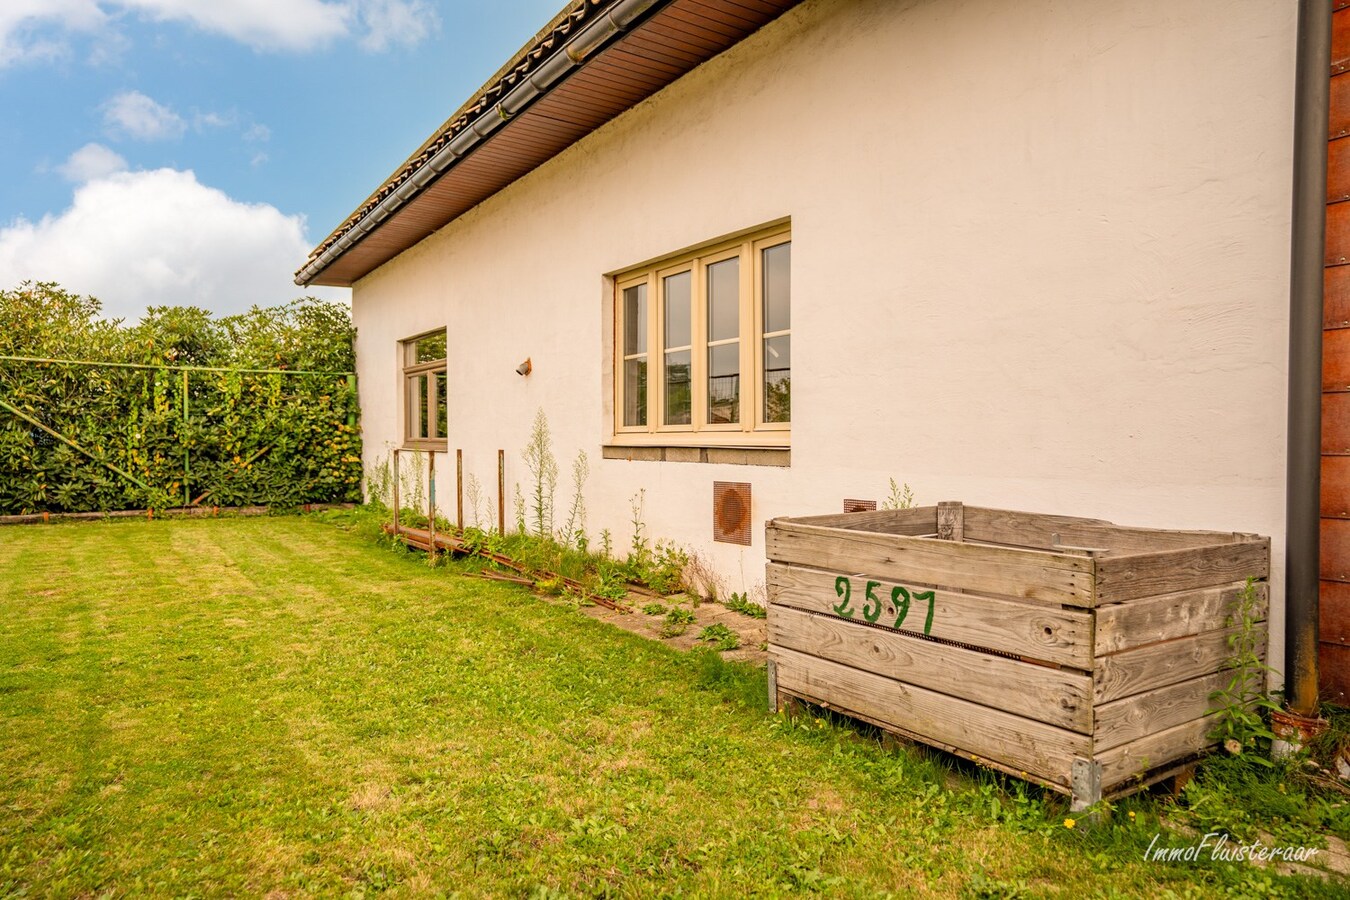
(277, 438)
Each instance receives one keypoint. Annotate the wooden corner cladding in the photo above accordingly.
(1040, 645)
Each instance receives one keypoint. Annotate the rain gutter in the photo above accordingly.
(550, 73)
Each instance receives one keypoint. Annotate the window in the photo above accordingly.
(703, 350)
(424, 406)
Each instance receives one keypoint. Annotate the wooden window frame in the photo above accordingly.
(408, 371)
(751, 430)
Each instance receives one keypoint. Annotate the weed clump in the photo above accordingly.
(677, 622)
(720, 637)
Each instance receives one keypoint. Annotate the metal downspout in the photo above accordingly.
(1308, 240)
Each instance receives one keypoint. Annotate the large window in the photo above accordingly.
(703, 348)
(424, 406)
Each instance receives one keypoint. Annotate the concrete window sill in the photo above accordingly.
(737, 456)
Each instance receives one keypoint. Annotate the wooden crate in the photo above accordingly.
(1070, 652)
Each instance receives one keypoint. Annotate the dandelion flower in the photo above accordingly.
(1069, 823)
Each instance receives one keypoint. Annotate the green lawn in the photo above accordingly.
(280, 706)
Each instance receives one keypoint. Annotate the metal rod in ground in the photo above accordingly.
(187, 454)
(395, 490)
(228, 475)
(459, 489)
(74, 446)
(431, 501)
(413, 537)
(351, 400)
(501, 492)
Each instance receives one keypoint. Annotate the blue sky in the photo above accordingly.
(192, 151)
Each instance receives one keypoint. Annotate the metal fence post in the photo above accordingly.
(396, 480)
(187, 454)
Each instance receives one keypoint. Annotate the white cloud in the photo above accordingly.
(34, 30)
(134, 115)
(298, 24)
(263, 24)
(90, 162)
(394, 22)
(136, 239)
(201, 121)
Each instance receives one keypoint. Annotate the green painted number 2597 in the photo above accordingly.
(901, 598)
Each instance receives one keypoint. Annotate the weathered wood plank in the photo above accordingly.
(1002, 526)
(1143, 714)
(1145, 574)
(1060, 697)
(1148, 620)
(1146, 754)
(997, 570)
(1041, 631)
(916, 520)
(950, 521)
(1043, 750)
(1157, 665)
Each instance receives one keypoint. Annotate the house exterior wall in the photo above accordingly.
(1040, 261)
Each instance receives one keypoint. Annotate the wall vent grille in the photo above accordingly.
(731, 512)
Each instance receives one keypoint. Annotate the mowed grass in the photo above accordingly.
(277, 706)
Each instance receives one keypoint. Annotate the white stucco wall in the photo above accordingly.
(1040, 261)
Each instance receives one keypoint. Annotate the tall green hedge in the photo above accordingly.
(249, 438)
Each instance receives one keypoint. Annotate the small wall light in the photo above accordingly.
(525, 368)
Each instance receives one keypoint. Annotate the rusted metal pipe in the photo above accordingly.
(419, 538)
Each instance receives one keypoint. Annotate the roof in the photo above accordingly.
(593, 61)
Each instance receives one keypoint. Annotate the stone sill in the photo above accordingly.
(736, 456)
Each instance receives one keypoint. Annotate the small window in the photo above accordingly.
(424, 392)
(703, 349)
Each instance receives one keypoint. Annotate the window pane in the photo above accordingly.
(724, 299)
(679, 398)
(677, 310)
(724, 383)
(777, 288)
(417, 406)
(441, 412)
(635, 391)
(778, 379)
(635, 320)
(429, 348)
